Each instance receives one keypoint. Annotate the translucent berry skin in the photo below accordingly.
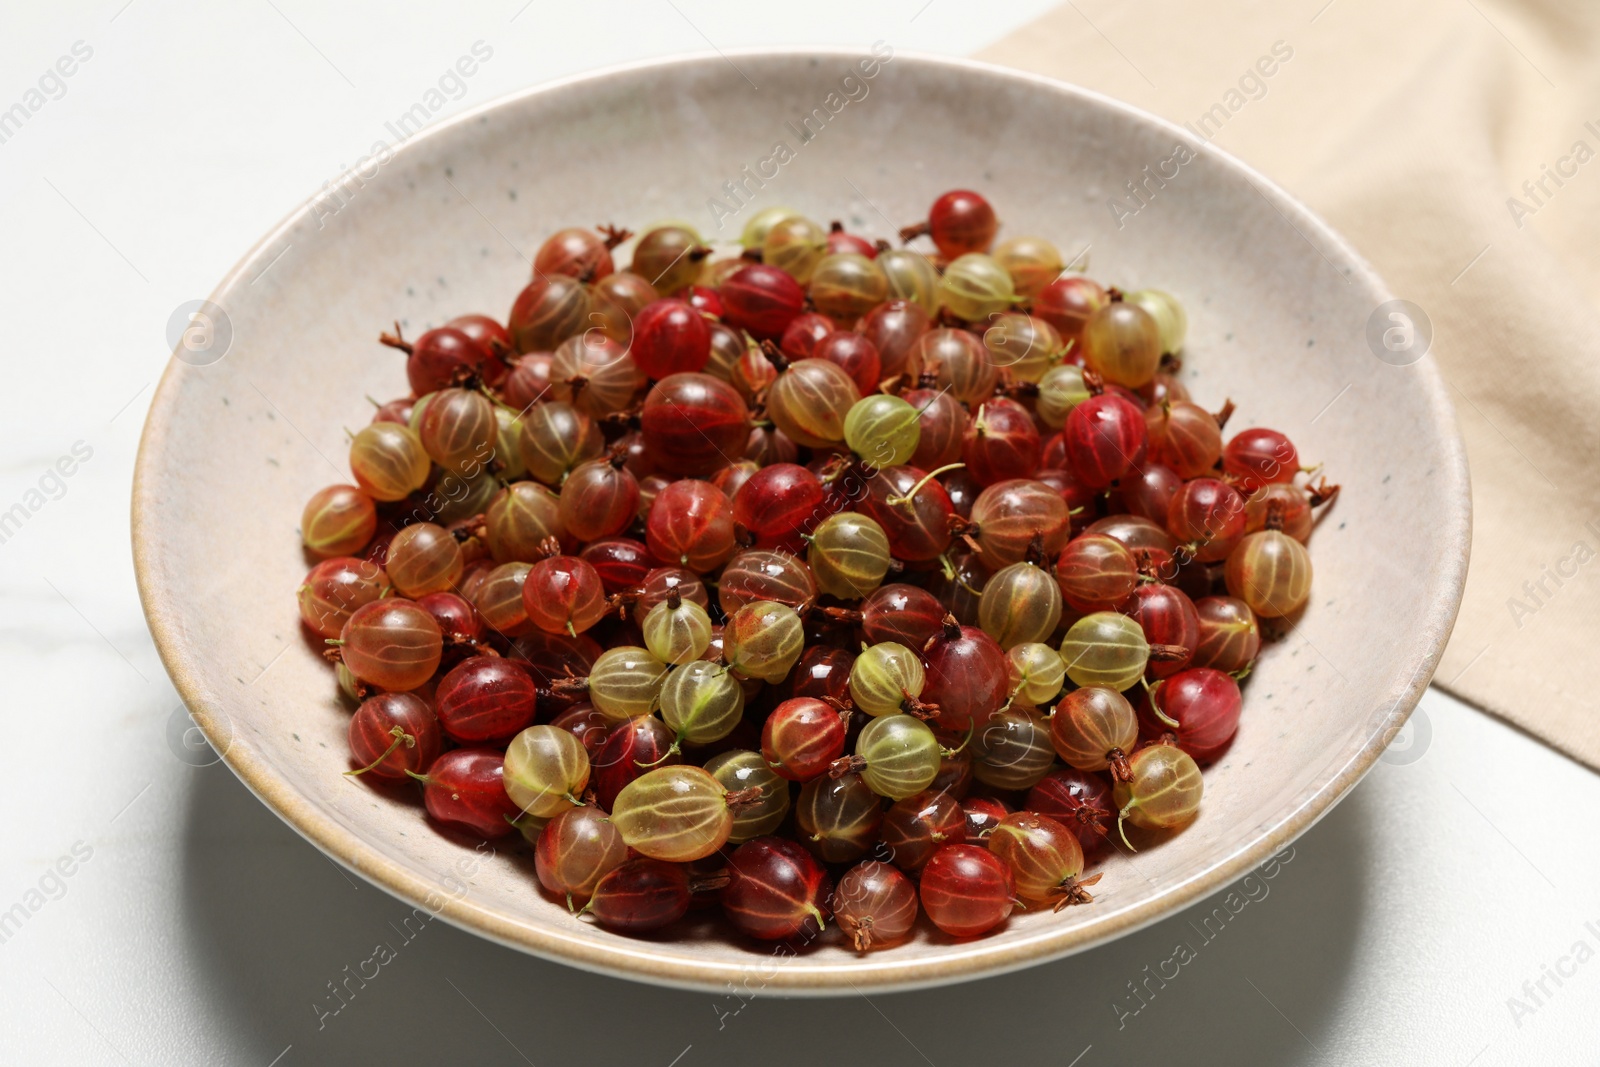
(552, 657)
(849, 555)
(1209, 513)
(1001, 442)
(809, 400)
(883, 430)
(629, 749)
(801, 737)
(618, 297)
(1184, 436)
(520, 518)
(1205, 704)
(388, 461)
(1271, 572)
(659, 583)
(625, 682)
(677, 634)
(576, 252)
(555, 438)
(743, 769)
(545, 770)
(563, 594)
(1093, 728)
(458, 620)
(1105, 649)
(762, 300)
(875, 905)
(886, 678)
(1106, 439)
(962, 221)
(551, 309)
(1032, 262)
(392, 644)
(983, 815)
(437, 355)
(372, 737)
(967, 676)
(838, 818)
(1042, 855)
(575, 850)
(694, 424)
(803, 333)
(894, 327)
(776, 890)
(822, 672)
(1025, 346)
(840, 241)
(594, 374)
(334, 589)
(778, 504)
(465, 788)
(918, 529)
(1290, 504)
(941, 425)
(640, 895)
(1037, 672)
(763, 640)
(528, 381)
(911, 277)
(338, 521)
(1259, 456)
(901, 755)
(587, 725)
(459, 430)
(954, 360)
(1096, 573)
(975, 287)
(484, 699)
(598, 499)
(423, 558)
(914, 828)
(966, 890)
(1168, 617)
(1014, 749)
(796, 245)
(1020, 604)
(670, 337)
(673, 813)
(499, 600)
(761, 574)
(1122, 344)
(853, 354)
(1163, 790)
(906, 614)
(1010, 514)
(1149, 492)
(846, 285)
(1080, 801)
(1229, 636)
(691, 526)
(1067, 303)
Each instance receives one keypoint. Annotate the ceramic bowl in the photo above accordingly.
(1279, 306)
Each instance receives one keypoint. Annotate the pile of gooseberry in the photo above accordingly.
(829, 584)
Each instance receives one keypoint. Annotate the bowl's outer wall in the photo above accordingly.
(1277, 305)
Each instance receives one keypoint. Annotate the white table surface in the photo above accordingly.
(200, 929)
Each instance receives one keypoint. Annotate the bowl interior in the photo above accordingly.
(444, 224)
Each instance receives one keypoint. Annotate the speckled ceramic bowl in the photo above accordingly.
(1279, 308)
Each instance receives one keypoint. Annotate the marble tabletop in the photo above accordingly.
(153, 912)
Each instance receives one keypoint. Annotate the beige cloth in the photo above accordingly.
(1410, 125)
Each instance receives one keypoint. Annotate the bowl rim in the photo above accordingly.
(879, 972)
